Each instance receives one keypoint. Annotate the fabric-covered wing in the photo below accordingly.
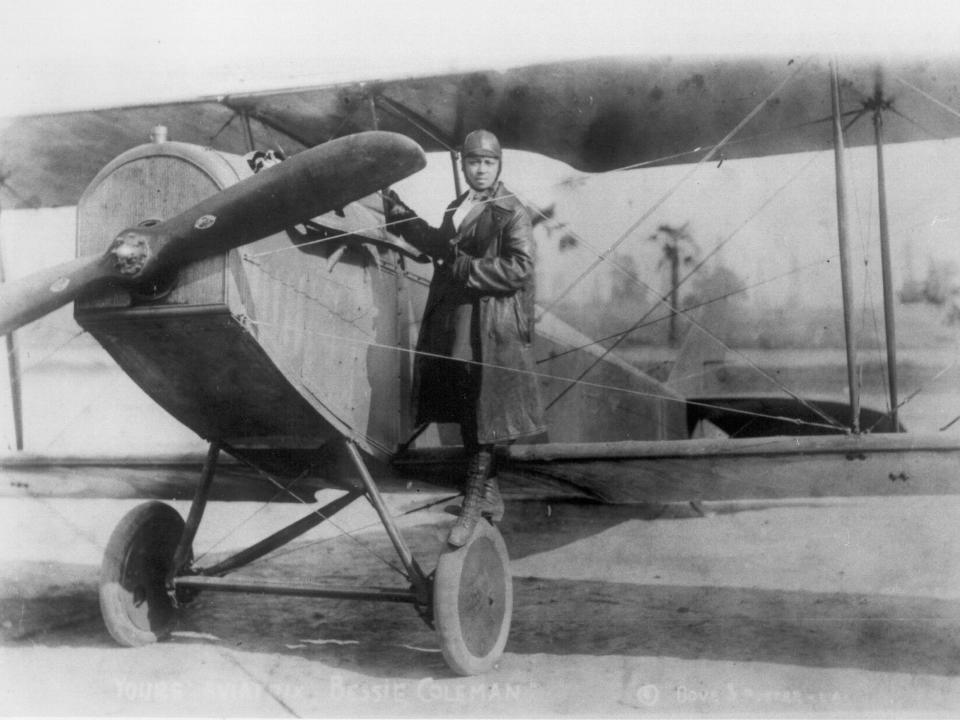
(595, 115)
(48, 160)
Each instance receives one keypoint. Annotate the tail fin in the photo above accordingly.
(701, 355)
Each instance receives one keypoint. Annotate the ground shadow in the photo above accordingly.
(535, 526)
(827, 630)
(42, 600)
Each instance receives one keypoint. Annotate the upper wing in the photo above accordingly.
(48, 160)
(595, 115)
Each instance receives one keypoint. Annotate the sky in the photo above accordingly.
(73, 54)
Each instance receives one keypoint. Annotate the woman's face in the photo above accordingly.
(481, 172)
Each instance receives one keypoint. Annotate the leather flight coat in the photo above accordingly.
(490, 260)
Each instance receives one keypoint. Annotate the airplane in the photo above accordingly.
(274, 314)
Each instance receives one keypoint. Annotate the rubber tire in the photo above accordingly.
(473, 601)
(133, 597)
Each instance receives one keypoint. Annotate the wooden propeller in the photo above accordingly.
(310, 183)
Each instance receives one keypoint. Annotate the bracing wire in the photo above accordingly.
(918, 391)
(763, 373)
(772, 379)
(541, 375)
(697, 306)
(327, 238)
(955, 113)
(786, 130)
(442, 142)
(59, 348)
(711, 151)
(366, 546)
(942, 105)
(229, 533)
(693, 271)
(97, 396)
(280, 552)
(223, 127)
(605, 256)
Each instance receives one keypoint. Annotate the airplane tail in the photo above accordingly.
(695, 372)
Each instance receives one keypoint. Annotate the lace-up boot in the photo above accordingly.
(470, 511)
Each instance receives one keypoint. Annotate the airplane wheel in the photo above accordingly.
(133, 595)
(473, 601)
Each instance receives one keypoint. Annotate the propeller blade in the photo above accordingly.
(310, 183)
(28, 298)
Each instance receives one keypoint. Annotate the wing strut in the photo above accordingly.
(846, 281)
(399, 110)
(879, 104)
(13, 366)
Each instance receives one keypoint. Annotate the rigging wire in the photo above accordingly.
(711, 301)
(763, 373)
(604, 257)
(869, 302)
(717, 249)
(252, 259)
(51, 353)
(263, 506)
(585, 177)
(919, 390)
(327, 518)
(326, 238)
(950, 424)
(757, 368)
(928, 96)
(866, 303)
(629, 391)
(320, 541)
(97, 397)
(656, 162)
(916, 124)
(223, 127)
(410, 118)
(775, 381)
(951, 111)
(343, 121)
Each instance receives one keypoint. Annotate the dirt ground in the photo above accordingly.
(806, 608)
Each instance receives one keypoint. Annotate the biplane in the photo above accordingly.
(274, 313)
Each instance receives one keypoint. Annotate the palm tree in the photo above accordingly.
(679, 248)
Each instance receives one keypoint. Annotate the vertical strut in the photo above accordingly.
(13, 367)
(846, 282)
(199, 504)
(248, 132)
(417, 578)
(888, 310)
(456, 173)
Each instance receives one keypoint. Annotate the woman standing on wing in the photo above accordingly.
(474, 363)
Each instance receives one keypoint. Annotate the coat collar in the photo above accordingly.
(497, 196)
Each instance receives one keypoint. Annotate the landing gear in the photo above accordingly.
(134, 601)
(473, 601)
(148, 571)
